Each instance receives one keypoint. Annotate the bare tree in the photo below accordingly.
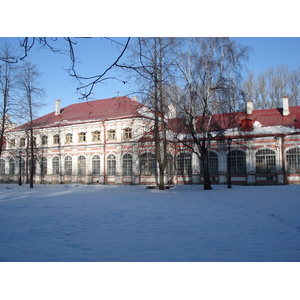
(211, 78)
(31, 93)
(7, 89)
(154, 66)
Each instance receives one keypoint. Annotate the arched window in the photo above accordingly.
(265, 161)
(170, 164)
(32, 167)
(68, 165)
(96, 165)
(293, 160)
(11, 166)
(213, 162)
(184, 163)
(82, 137)
(43, 166)
(148, 164)
(238, 162)
(127, 164)
(81, 165)
(55, 165)
(2, 166)
(111, 164)
(69, 138)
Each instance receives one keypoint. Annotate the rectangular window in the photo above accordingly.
(127, 134)
(111, 135)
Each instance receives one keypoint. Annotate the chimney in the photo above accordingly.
(285, 103)
(249, 107)
(57, 107)
(135, 98)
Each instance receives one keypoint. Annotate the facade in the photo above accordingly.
(107, 142)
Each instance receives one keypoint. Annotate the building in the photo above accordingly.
(108, 142)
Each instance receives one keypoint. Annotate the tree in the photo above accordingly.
(7, 89)
(30, 92)
(210, 84)
(154, 66)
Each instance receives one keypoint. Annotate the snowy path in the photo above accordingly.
(132, 223)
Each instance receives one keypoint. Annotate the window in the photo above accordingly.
(184, 163)
(34, 141)
(81, 165)
(12, 143)
(96, 165)
(11, 166)
(43, 166)
(127, 164)
(69, 138)
(68, 165)
(55, 166)
(127, 133)
(22, 142)
(293, 160)
(44, 140)
(2, 166)
(111, 165)
(213, 163)
(32, 167)
(265, 161)
(22, 166)
(96, 136)
(170, 164)
(82, 137)
(148, 164)
(111, 135)
(56, 139)
(237, 162)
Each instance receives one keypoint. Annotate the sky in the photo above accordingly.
(96, 54)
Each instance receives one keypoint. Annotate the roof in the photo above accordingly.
(105, 109)
(265, 117)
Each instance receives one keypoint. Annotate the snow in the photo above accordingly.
(96, 223)
(81, 223)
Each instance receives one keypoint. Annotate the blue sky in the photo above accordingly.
(96, 54)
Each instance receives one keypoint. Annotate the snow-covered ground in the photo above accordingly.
(79, 223)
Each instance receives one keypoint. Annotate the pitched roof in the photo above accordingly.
(266, 118)
(105, 109)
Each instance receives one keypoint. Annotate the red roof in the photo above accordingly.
(266, 117)
(112, 108)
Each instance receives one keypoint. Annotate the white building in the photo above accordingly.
(104, 142)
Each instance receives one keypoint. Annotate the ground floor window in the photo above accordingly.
(148, 164)
(293, 160)
(127, 164)
(111, 165)
(55, 165)
(96, 165)
(11, 166)
(43, 166)
(213, 162)
(68, 165)
(237, 162)
(2, 166)
(265, 161)
(184, 163)
(81, 165)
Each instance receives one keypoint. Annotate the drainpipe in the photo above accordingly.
(104, 151)
(283, 160)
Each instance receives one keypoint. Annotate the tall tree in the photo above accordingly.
(31, 94)
(7, 89)
(153, 64)
(211, 83)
